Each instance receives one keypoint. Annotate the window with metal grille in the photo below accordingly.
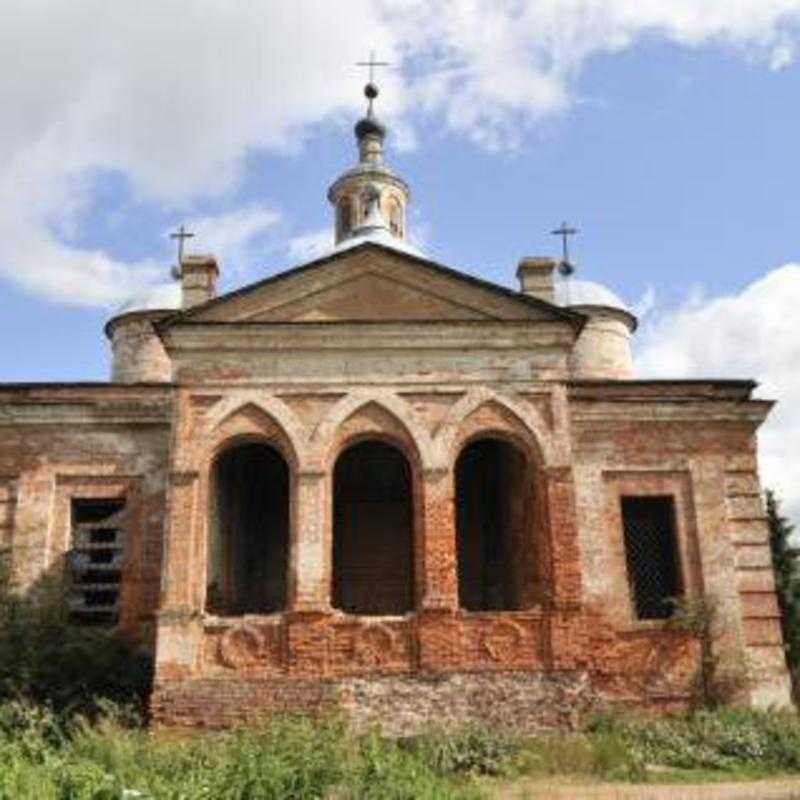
(652, 554)
(96, 561)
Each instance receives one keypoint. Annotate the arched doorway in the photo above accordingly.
(494, 527)
(248, 544)
(372, 530)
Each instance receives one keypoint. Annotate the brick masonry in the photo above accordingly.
(429, 370)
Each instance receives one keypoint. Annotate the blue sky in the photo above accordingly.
(666, 131)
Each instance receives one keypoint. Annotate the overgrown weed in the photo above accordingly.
(297, 756)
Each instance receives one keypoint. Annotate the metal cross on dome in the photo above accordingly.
(181, 235)
(372, 63)
(565, 231)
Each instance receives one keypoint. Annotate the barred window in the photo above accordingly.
(652, 554)
(96, 561)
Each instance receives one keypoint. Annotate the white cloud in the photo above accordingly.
(645, 304)
(782, 56)
(233, 236)
(497, 68)
(308, 246)
(172, 98)
(752, 334)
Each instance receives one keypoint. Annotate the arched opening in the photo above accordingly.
(372, 530)
(248, 545)
(494, 527)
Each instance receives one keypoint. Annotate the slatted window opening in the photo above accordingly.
(96, 561)
(651, 552)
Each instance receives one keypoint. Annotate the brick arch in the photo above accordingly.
(324, 440)
(257, 407)
(528, 427)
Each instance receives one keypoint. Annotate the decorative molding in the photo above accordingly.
(529, 419)
(275, 409)
(502, 640)
(391, 403)
(247, 646)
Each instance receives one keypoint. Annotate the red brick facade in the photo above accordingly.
(245, 369)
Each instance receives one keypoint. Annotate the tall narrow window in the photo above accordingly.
(651, 552)
(96, 561)
(372, 531)
(249, 537)
(345, 217)
(494, 528)
(395, 218)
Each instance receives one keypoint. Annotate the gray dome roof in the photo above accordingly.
(575, 292)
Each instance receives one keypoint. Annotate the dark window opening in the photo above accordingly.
(249, 542)
(494, 501)
(96, 561)
(395, 218)
(101, 556)
(651, 553)
(372, 531)
(99, 576)
(345, 217)
(103, 535)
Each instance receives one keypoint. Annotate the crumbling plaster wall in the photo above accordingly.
(703, 455)
(61, 442)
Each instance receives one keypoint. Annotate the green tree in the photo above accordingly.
(787, 581)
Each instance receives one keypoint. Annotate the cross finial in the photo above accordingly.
(181, 235)
(565, 231)
(371, 90)
(372, 63)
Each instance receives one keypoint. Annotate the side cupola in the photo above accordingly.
(369, 188)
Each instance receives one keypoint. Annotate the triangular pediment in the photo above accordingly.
(375, 284)
(370, 296)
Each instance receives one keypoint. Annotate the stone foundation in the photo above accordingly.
(399, 705)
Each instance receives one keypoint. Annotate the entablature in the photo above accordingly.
(85, 404)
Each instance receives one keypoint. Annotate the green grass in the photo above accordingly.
(44, 756)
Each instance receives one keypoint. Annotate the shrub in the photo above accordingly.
(47, 660)
(387, 770)
(299, 757)
(720, 679)
(727, 740)
(472, 750)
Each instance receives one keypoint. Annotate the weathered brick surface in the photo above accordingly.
(398, 705)
(429, 387)
(62, 442)
(137, 353)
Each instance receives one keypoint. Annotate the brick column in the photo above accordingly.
(179, 589)
(35, 492)
(179, 625)
(310, 564)
(566, 634)
(438, 628)
(437, 540)
(565, 552)
(310, 550)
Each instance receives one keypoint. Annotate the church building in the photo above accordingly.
(376, 483)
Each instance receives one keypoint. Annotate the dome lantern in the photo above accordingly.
(369, 195)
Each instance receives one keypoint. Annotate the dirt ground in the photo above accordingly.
(547, 790)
